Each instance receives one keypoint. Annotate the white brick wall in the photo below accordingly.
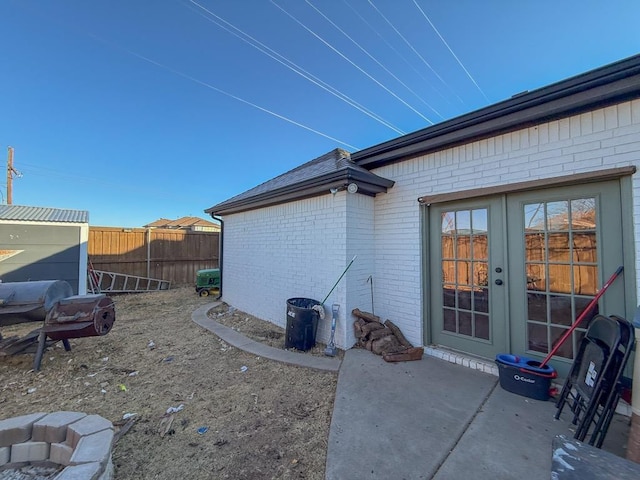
(299, 250)
(597, 140)
(360, 242)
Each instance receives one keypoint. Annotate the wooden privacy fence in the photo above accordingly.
(171, 255)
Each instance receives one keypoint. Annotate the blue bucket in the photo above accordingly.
(524, 376)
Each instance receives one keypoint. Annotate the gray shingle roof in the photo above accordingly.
(41, 214)
(327, 163)
(331, 170)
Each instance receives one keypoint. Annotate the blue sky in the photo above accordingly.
(141, 109)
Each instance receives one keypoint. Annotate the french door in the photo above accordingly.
(468, 275)
(512, 273)
(567, 243)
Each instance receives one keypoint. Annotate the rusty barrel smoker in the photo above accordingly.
(22, 302)
(64, 315)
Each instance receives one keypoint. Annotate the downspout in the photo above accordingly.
(220, 250)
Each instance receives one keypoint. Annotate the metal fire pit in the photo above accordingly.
(64, 315)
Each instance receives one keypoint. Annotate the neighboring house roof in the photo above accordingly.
(617, 82)
(184, 222)
(41, 214)
(161, 222)
(334, 170)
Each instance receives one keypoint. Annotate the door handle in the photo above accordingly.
(499, 282)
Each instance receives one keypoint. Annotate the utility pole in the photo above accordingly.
(10, 172)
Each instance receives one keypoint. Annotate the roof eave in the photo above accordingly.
(610, 84)
(368, 184)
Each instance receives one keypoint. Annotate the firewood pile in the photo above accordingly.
(383, 338)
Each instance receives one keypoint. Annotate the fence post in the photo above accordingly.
(148, 252)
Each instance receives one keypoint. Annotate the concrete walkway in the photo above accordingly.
(432, 419)
(428, 419)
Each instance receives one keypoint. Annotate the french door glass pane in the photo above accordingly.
(557, 216)
(449, 320)
(482, 326)
(465, 327)
(584, 214)
(534, 217)
(560, 311)
(535, 247)
(560, 278)
(561, 255)
(465, 272)
(481, 300)
(559, 247)
(537, 307)
(537, 337)
(584, 247)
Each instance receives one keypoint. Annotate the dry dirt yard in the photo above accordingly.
(240, 416)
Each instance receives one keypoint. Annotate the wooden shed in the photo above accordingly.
(38, 243)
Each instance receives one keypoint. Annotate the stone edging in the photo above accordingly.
(238, 340)
(79, 442)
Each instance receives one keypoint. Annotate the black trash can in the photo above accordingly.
(302, 323)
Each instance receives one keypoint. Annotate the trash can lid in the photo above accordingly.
(301, 302)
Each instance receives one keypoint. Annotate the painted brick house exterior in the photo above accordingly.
(601, 139)
(580, 136)
(299, 249)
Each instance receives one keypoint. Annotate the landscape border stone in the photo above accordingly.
(238, 340)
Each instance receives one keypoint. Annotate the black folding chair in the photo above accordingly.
(592, 379)
(604, 413)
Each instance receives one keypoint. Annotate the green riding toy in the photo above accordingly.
(207, 281)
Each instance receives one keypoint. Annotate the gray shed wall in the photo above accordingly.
(50, 252)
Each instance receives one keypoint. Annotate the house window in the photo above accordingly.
(561, 266)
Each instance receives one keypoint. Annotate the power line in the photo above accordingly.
(450, 50)
(372, 57)
(413, 49)
(293, 67)
(212, 87)
(239, 99)
(396, 51)
(351, 62)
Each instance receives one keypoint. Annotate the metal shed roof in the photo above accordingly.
(21, 213)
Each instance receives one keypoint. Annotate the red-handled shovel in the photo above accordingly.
(582, 316)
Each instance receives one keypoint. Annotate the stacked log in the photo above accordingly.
(383, 338)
